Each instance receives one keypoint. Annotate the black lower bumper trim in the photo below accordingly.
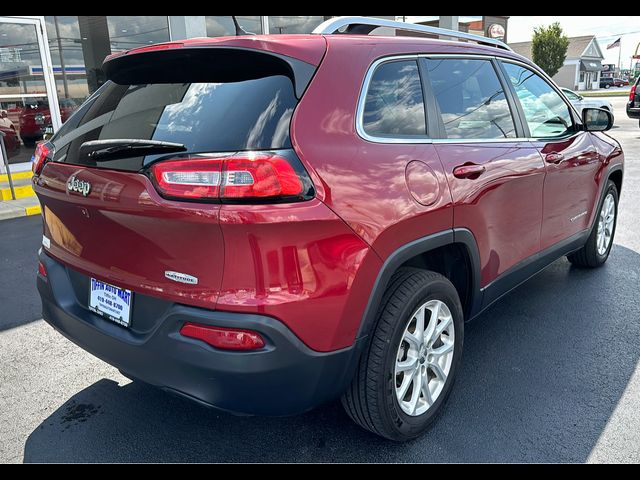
(283, 378)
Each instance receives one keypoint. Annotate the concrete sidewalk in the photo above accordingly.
(22, 207)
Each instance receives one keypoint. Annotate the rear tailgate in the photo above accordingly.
(124, 232)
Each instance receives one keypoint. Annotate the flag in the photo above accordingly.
(614, 44)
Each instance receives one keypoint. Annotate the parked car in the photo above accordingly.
(609, 82)
(265, 224)
(606, 82)
(580, 102)
(633, 105)
(36, 116)
(11, 140)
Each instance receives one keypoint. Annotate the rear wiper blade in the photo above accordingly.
(105, 150)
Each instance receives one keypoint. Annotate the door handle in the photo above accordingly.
(554, 158)
(470, 171)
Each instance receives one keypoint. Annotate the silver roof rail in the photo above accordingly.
(365, 25)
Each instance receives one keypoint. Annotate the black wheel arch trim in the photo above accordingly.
(412, 249)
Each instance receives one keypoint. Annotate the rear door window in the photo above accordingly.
(394, 106)
(205, 117)
(470, 99)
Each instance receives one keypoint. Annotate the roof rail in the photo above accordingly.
(365, 25)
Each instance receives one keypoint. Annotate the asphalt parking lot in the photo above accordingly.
(550, 374)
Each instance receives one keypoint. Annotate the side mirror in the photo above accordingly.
(597, 119)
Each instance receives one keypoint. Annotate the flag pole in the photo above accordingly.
(620, 58)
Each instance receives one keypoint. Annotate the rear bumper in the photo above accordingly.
(283, 378)
(633, 112)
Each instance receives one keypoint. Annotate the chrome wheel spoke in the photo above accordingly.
(433, 321)
(446, 348)
(439, 330)
(404, 387)
(437, 370)
(426, 392)
(419, 331)
(407, 365)
(415, 394)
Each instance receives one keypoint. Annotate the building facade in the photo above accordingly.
(50, 64)
(583, 66)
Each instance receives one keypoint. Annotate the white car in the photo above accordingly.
(581, 102)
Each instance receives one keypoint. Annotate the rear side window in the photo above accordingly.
(394, 106)
(470, 98)
(545, 111)
(233, 116)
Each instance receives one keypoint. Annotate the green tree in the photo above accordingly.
(549, 48)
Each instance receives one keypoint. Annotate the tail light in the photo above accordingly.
(632, 93)
(42, 270)
(42, 153)
(244, 176)
(223, 338)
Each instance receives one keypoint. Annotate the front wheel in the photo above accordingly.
(405, 377)
(596, 251)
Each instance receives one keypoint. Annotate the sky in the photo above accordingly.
(606, 29)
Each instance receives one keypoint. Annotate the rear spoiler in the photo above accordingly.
(180, 63)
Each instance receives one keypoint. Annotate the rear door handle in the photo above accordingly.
(554, 158)
(469, 171)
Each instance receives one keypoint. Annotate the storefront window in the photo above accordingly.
(294, 24)
(135, 31)
(79, 45)
(20, 62)
(222, 26)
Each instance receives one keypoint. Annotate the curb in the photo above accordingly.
(17, 208)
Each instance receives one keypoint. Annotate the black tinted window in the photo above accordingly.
(471, 99)
(394, 105)
(205, 117)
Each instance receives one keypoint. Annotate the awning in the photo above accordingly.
(590, 66)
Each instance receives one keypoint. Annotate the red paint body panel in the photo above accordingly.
(503, 206)
(124, 233)
(299, 263)
(308, 48)
(363, 182)
(571, 188)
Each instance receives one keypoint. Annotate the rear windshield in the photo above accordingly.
(205, 117)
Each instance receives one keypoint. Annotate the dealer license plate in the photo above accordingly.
(111, 302)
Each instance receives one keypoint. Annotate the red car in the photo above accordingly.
(263, 224)
(34, 118)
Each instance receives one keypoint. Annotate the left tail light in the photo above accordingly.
(44, 152)
(239, 178)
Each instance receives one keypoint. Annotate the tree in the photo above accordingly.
(549, 48)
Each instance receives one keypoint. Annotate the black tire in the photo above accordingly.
(371, 398)
(29, 141)
(588, 256)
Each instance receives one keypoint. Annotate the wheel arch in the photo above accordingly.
(431, 253)
(615, 175)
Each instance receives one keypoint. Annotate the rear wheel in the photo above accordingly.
(596, 251)
(405, 377)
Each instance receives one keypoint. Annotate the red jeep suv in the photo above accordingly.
(266, 223)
